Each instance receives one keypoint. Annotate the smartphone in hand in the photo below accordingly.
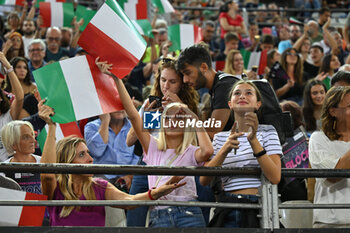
(152, 98)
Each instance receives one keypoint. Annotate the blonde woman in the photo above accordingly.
(234, 65)
(173, 148)
(83, 186)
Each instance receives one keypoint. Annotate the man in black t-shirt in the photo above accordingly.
(316, 55)
(195, 64)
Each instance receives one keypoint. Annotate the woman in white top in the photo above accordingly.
(330, 149)
(248, 144)
(19, 141)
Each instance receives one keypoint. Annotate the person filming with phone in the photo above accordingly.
(168, 88)
(247, 144)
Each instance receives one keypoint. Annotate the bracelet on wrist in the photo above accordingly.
(261, 153)
(9, 70)
(150, 195)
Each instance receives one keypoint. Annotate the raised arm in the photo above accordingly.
(331, 40)
(133, 115)
(300, 41)
(48, 181)
(205, 147)
(17, 90)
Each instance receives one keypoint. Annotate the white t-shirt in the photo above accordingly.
(325, 154)
(268, 138)
(4, 119)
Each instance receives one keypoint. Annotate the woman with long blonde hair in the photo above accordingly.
(175, 147)
(73, 150)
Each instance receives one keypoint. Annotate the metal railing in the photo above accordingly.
(268, 193)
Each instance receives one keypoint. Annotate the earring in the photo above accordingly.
(334, 123)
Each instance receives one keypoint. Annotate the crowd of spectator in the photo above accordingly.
(304, 65)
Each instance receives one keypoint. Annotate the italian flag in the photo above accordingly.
(85, 13)
(218, 65)
(62, 130)
(76, 89)
(56, 14)
(134, 9)
(144, 27)
(111, 36)
(251, 59)
(21, 215)
(183, 36)
(163, 6)
(39, 1)
(12, 2)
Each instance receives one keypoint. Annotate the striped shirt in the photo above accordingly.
(266, 135)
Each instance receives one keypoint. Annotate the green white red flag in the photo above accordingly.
(115, 39)
(144, 27)
(134, 9)
(76, 89)
(85, 13)
(163, 6)
(56, 14)
(183, 36)
(39, 1)
(62, 130)
(12, 2)
(251, 59)
(21, 215)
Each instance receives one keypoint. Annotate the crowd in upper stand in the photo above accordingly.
(306, 71)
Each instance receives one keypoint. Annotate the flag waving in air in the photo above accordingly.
(12, 2)
(63, 130)
(134, 9)
(111, 36)
(163, 6)
(56, 14)
(251, 59)
(39, 1)
(183, 36)
(76, 89)
(144, 27)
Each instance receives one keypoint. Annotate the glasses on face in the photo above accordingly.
(294, 31)
(57, 39)
(35, 50)
(292, 54)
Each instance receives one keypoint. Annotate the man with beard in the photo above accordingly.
(196, 66)
(29, 31)
(294, 33)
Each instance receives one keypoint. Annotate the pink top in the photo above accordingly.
(86, 215)
(156, 157)
(234, 22)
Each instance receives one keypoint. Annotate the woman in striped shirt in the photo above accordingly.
(248, 144)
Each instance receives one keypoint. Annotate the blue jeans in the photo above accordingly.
(137, 217)
(234, 218)
(177, 216)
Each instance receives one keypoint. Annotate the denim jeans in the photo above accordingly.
(177, 216)
(137, 217)
(234, 218)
